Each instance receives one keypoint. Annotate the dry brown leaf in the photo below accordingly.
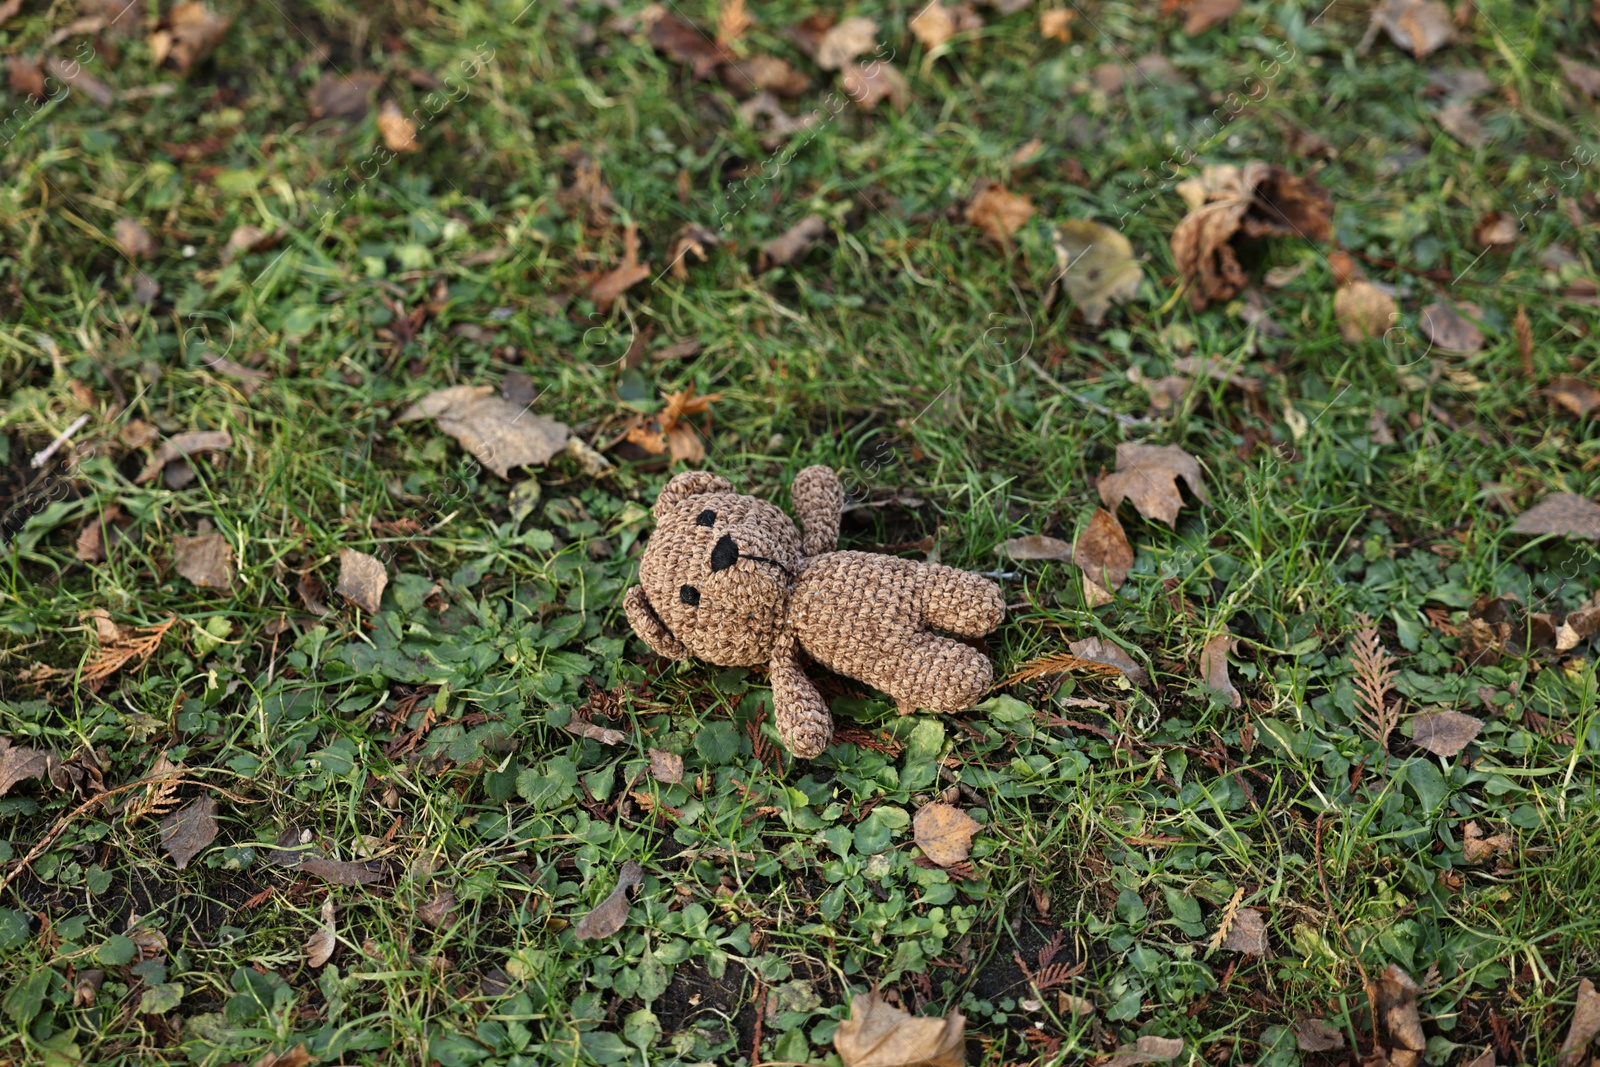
(1378, 427)
(186, 832)
(1214, 667)
(793, 242)
(1444, 733)
(1202, 15)
(250, 378)
(1449, 330)
(344, 96)
(498, 433)
(733, 20)
(1582, 76)
(1095, 650)
(846, 40)
(81, 80)
(1166, 393)
(19, 763)
(1585, 1025)
(313, 594)
(685, 42)
(1104, 556)
(1038, 546)
(98, 535)
(436, 911)
(399, 132)
(1317, 1035)
(206, 560)
(610, 914)
(187, 34)
(1561, 513)
(1496, 230)
(26, 76)
(1147, 1049)
(606, 288)
(878, 1034)
(1258, 200)
(1475, 848)
(86, 989)
(1096, 267)
(691, 240)
(779, 123)
(603, 734)
(1148, 476)
(1395, 996)
(362, 579)
(1363, 311)
(1485, 1058)
(341, 872)
(1421, 27)
(999, 213)
(1056, 23)
(294, 1057)
(90, 546)
(666, 767)
(133, 239)
(247, 238)
(1523, 329)
(764, 73)
(181, 446)
(944, 833)
(319, 949)
(1459, 120)
(867, 85)
(1574, 394)
(1579, 625)
(1248, 933)
(934, 25)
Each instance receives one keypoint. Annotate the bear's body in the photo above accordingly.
(730, 579)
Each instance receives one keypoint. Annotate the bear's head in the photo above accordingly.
(716, 574)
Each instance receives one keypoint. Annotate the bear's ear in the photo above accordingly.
(642, 617)
(688, 484)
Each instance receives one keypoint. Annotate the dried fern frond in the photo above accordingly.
(1375, 675)
(1229, 913)
(159, 796)
(1058, 663)
(124, 646)
(1056, 974)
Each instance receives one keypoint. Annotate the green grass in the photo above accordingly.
(923, 362)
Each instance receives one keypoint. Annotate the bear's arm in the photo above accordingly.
(818, 501)
(642, 617)
(801, 714)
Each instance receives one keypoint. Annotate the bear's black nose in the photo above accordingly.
(724, 553)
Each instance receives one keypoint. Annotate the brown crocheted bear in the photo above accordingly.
(728, 578)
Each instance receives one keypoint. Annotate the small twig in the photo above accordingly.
(761, 1011)
(66, 820)
(55, 446)
(61, 824)
(1088, 402)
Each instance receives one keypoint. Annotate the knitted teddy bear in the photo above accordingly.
(728, 578)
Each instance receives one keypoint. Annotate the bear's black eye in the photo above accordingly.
(706, 518)
(690, 596)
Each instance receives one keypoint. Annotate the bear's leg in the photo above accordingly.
(923, 670)
(801, 715)
(958, 602)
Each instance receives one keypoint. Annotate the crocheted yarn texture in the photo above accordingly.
(729, 579)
